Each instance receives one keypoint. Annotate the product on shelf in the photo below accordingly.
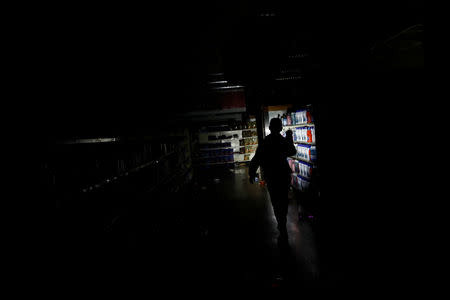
(293, 118)
(249, 133)
(250, 149)
(305, 170)
(306, 152)
(291, 163)
(304, 134)
(313, 153)
(301, 117)
(288, 119)
(308, 134)
(214, 152)
(299, 183)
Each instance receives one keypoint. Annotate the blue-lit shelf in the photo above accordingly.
(312, 163)
(302, 177)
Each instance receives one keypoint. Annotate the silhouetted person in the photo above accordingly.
(271, 155)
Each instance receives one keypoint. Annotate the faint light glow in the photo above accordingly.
(228, 87)
(289, 78)
(267, 14)
(91, 141)
(219, 81)
(298, 55)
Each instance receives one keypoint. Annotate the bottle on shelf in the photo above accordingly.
(288, 119)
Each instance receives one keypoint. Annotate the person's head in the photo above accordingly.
(275, 125)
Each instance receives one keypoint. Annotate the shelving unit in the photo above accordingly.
(207, 149)
(303, 119)
(241, 152)
(299, 125)
(89, 164)
(312, 163)
(304, 143)
(218, 163)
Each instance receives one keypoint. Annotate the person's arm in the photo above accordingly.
(255, 163)
(290, 151)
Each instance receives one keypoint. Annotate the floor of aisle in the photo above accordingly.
(222, 238)
(240, 235)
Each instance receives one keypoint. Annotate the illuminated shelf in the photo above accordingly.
(300, 125)
(305, 143)
(206, 157)
(89, 141)
(220, 141)
(302, 177)
(247, 152)
(303, 160)
(207, 149)
(228, 131)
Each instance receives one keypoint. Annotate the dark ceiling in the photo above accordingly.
(107, 62)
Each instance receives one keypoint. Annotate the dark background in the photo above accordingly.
(110, 63)
(109, 69)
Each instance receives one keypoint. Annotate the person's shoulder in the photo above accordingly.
(268, 139)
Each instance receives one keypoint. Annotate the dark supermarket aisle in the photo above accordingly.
(147, 122)
(242, 235)
(223, 236)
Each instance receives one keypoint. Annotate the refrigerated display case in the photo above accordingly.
(304, 164)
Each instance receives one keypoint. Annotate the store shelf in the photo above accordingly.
(220, 140)
(217, 163)
(303, 160)
(207, 157)
(227, 131)
(247, 152)
(169, 178)
(305, 143)
(302, 177)
(300, 125)
(89, 141)
(207, 149)
(102, 140)
(126, 173)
